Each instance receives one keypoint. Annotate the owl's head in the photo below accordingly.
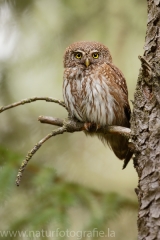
(86, 54)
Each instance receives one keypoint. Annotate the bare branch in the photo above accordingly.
(117, 130)
(67, 125)
(74, 126)
(33, 99)
(35, 149)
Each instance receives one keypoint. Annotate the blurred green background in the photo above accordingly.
(73, 182)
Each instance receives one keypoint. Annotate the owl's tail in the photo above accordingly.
(119, 145)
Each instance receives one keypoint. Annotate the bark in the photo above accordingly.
(145, 129)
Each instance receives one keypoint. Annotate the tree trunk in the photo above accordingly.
(145, 127)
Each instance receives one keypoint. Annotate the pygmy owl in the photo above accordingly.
(95, 91)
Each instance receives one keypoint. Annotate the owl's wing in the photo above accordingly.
(119, 79)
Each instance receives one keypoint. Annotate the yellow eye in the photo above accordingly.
(78, 55)
(95, 55)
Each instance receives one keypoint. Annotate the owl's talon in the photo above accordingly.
(91, 127)
(87, 126)
(98, 127)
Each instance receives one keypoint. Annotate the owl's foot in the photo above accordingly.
(91, 127)
(87, 126)
(97, 127)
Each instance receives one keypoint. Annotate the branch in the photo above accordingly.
(34, 150)
(72, 125)
(33, 99)
(67, 125)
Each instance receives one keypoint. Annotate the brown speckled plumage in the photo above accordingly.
(95, 91)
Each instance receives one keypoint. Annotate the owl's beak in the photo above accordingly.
(87, 62)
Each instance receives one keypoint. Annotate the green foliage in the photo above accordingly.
(49, 199)
(8, 160)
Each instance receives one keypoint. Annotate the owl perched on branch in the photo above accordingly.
(95, 92)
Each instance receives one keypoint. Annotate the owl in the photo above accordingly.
(95, 92)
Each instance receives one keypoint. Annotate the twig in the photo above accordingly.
(33, 99)
(35, 149)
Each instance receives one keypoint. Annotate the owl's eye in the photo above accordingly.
(78, 55)
(95, 55)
